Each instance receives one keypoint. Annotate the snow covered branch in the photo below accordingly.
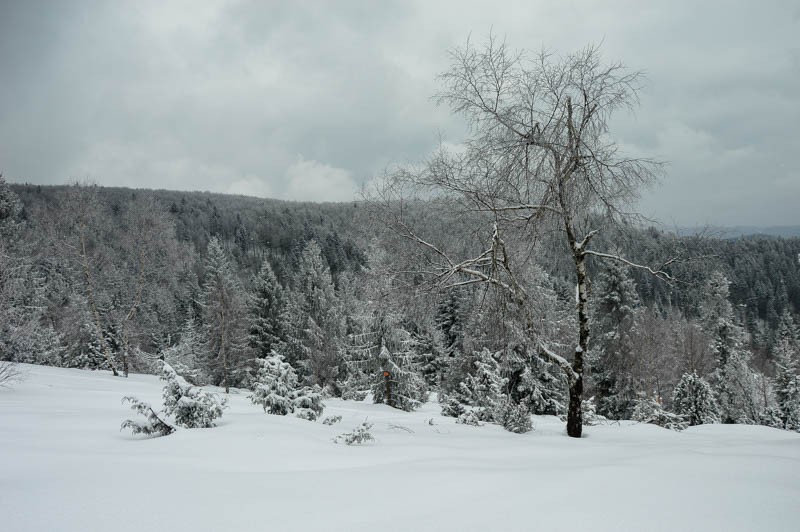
(558, 360)
(658, 272)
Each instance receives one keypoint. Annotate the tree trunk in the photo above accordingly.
(575, 414)
(224, 353)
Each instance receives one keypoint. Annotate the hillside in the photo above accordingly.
(73, 470)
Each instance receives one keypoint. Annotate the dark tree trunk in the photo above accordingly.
(575, 414)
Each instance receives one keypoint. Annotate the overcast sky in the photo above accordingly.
(307, 100)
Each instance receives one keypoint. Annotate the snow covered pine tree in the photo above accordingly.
(693, 398)
(277, 390)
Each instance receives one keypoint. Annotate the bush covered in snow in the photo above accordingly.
(331, 420)
(470, 417)
(307, 403)
(8, 373)
(153, 426)
(277, 391)
(483, 388)
(276, 382)
(513, 417)
(191, 406)
(771, 417)
(649, 410)
(358, 436)
(407, 389)
(693, 399)
(450, 406)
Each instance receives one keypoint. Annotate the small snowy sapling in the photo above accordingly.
(154, 426)
(513, 417)
(693, 398)
(331, 420)
(275, 384)
(649, 410)
(469, 418)
(451, 407)
(308, 403)
(191, 406)
(360, 435)
(277, 391)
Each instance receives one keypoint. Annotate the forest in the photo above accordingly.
(510, 276)
(119, 279)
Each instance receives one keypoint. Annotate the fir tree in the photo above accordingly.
(25, 335)
(613, 352)
(317, 324)
(787, 379)
(736, 384)
(650, 410)
(307, 403)
(223, 313)
(450, 322)
(267, 306)
(399, 383)
(450, 406)
(513, 417)
(191, 406)
(277, 390)
(693, 399)
(153, 425)
(358, 436)
(276, 383)
(484, 387)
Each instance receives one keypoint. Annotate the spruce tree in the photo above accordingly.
(191, 406)
(735, 382)
(787, 378)
(266, 309)
(398, 382)
(613, 352)
(649, 409)
(513, 417)
(275, 385)
(450, 322)
(153, 425)
(693, 398)
(484, 387)
(223, 315)
(277, 390)
(317, 324)
(25, 336)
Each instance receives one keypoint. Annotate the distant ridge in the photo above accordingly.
(782, 231)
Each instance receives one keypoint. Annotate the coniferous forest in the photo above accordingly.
(120, 279)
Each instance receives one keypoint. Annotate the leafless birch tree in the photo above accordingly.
(540, 158)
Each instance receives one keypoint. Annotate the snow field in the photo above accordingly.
(65, 466)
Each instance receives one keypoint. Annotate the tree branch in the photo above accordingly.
(660, 273)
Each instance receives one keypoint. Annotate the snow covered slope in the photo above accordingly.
(64, 467)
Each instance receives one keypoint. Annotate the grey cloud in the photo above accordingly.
(240, 96)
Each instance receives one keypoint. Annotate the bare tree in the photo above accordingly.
(540, 160)
(8, 373)
(148, 251)
(81, 237)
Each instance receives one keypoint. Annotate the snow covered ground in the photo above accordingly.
(65, 466)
